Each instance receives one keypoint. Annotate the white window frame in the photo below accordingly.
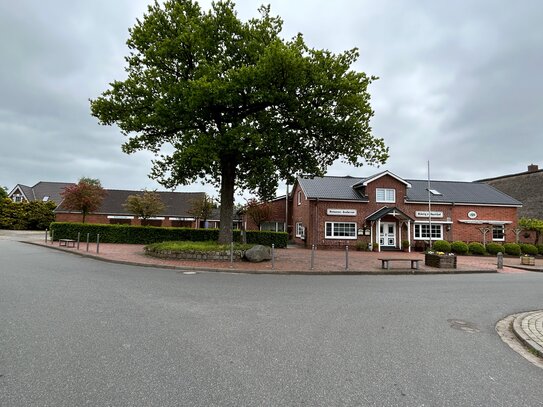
(498, 228)
(418, 229)
(300, 230)
(277, 226)
(388, 195)
(299, 198)
(336, 228)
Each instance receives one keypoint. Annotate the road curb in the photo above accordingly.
(524, 336)
(277, 272)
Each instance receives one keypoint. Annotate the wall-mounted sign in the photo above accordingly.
(472, 214)
(341, 212)
(426, 214)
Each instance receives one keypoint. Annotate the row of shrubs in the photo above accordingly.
(514, 249)
(149, 234)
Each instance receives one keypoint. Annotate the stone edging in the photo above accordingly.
(520, 331)
(196, 255)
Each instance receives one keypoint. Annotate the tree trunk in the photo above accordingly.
(228, 179)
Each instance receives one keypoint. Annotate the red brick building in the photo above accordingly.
(333, 212)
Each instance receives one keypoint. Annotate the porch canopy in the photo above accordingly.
(398, 214)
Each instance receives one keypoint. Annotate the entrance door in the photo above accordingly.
(387, 236)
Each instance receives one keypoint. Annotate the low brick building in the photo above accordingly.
(388, 210)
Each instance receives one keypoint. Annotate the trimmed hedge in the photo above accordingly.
(476, 248)
(441, 246)
(512, 249)
(527, 248)
(494, 248)
(459, 247)
(540, 248)
(149, 234)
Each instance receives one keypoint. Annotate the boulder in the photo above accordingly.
(258, 253)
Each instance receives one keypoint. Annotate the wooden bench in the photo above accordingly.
(414, 263)
(66, 242)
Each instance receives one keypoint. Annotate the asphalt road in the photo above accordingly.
(80, 332)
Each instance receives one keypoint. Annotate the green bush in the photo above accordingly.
(459, 247)
(540, 248)
(35, 215)
(512, 249)
(441, 246)
(149, 234)
(476, 248)
(527, 248)
(494, 248)
(194, 246)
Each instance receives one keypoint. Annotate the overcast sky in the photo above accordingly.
(460, 84)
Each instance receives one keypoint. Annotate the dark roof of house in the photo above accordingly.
(527, 187)
(385, 211)
(177, 203)
(42, 189)
(458, 192)
(341, 188)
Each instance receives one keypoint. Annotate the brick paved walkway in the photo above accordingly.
(528, 327)
(298, 260)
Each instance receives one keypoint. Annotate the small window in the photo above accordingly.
(272, 226)
(340, 230)
(498, 232)
(45, 198)
(300, 230)
(385, 195)
(18, 198)
(434, 192)
(299, 197)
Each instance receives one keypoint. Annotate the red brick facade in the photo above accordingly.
(451, 220)
(104, 219)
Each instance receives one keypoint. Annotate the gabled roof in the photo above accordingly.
(42, 189)
(345, 188)
(458, 192)
(177, 203)
(388, 211)
(336, 188)
(364, 182)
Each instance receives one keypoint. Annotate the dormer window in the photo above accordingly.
(385, 195)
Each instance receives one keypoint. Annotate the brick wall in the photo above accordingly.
(103, 219)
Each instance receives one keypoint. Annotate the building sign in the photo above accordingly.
(426, 214)
(341, 212)
(472, 214)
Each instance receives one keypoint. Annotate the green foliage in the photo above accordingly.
(237, 105)
(144, 205)
(375, 246)
(258, 212)
(494, 248)
(195, 246)
(459, 247)
(512, 249)
(405, 244)
(202, 208)
(86, 196)
(35, 215)
(476, 248)
(532, 225)
(3, 193)
(527, 248)
(362, 246)
(441, 246)
(540, 248)
(148, 234)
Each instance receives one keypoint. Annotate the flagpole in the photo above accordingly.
(429, 207)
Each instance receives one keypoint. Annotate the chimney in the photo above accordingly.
(533, 168)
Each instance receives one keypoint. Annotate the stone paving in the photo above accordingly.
(528, 327)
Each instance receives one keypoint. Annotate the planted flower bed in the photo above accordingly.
(440, 260)
(195, 251)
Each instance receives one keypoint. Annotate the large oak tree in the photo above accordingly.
(232, 103)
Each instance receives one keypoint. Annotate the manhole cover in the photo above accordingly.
(189, 273)
(463, 325)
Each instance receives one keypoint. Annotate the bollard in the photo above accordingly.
(46, 231)
(312, 256)
(97, 243)
(347, 257)
(273, 256)
(88, 236)
(500, 261)
(52, 236)
(78, 238)
(231, 253)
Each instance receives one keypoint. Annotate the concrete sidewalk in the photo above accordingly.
(528, 328)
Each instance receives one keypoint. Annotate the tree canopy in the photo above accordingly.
(258, 212)
(86, 196)
(232, 103)
(3, 192)
(202, 208)
(532, 225)
(145, 205)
